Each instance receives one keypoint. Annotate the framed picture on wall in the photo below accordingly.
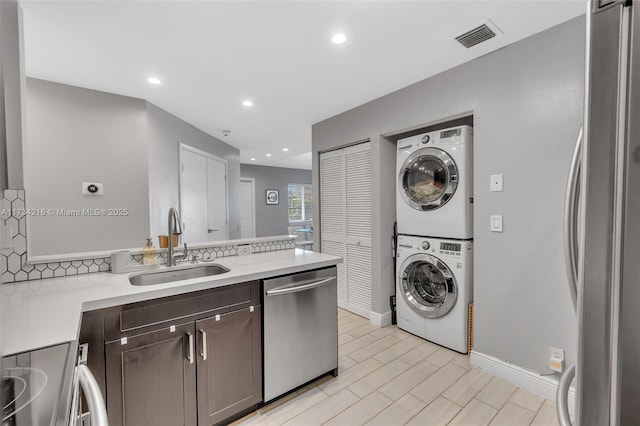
(272, 197)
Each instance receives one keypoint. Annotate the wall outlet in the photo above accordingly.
(556, 359)
(244, 250)
(496, 183)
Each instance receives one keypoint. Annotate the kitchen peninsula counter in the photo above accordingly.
(46, 312)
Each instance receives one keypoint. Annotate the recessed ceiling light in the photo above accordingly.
(153, 80)
(247, 103)
(339, 38)
(252, 159)
(268, 155)
(285, 149)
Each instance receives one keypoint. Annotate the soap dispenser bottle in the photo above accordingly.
(149, 253)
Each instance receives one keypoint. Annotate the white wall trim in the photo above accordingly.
(545, 386)
(380, 320)
(375, 319)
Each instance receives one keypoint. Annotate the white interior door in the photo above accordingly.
(193, 197)
(217, 200)
(203, 196)
(247, 208)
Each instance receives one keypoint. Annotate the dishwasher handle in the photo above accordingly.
(302, 286)
(91, 390)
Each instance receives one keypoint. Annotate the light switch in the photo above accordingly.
(496, 223)
(496, 183)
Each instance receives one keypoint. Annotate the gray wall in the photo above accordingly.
(166, 131)
(11, 105)
(273, 219)
(526, 100)
(77, 135)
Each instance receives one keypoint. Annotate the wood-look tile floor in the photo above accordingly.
(390, 377)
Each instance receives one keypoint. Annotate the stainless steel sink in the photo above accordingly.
(170, 275)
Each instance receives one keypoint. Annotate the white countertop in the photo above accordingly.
(47, 312)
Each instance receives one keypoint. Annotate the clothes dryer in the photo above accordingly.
(435, 184)
(434, 289)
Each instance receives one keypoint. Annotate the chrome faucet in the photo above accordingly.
(175, 228)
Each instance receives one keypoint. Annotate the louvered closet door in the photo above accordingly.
(333, 212)
(346, 191)
(357, 161)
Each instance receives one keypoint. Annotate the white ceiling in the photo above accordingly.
(211, 55)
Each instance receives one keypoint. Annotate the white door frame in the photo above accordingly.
(252, 181)
(186, 147)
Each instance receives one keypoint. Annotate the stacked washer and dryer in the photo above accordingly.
(434, 284)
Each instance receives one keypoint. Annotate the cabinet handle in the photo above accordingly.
(190, 355)
(203, 354)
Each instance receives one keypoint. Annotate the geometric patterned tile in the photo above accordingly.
(22, 226)
(11, 194)
(14, 267)
(14, 263)
(5, 209)
(19, 244)
(21, 276)
(35, 275)
(17, 206)
(12, 226)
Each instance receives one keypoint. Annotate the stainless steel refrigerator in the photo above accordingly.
(607, 238)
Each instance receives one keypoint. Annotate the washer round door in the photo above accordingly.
(428, 286)
(428, 179)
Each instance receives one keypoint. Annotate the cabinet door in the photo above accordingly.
(151, 378)
(229, 365)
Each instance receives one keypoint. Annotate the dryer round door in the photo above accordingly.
(428, 286)
(428, 179)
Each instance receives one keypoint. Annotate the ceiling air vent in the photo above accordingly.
(476, 36)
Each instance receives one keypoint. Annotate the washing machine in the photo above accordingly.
(434, 288)
(435, 184)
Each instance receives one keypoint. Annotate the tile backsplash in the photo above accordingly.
(13, 256)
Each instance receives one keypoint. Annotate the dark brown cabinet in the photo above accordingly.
(194, 359)
(229, 365)
(150, 379)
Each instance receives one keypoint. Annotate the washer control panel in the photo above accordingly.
(450, 248)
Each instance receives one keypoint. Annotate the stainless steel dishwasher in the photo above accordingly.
(300, 330)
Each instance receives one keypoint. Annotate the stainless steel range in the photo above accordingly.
(36, 386)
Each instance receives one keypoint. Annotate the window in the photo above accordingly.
(300, 202)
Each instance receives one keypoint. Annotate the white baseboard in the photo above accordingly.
(355, 309)
(380, 320)
(545, 386)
